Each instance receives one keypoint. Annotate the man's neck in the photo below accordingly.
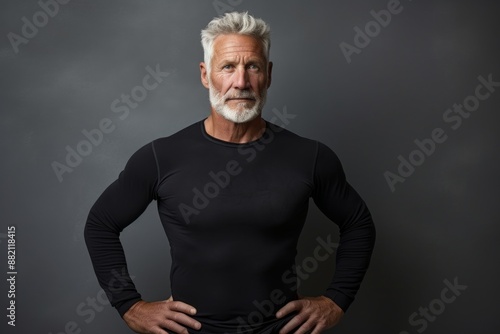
(240, 133)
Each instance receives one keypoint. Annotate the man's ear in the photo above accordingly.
(269, 73)
(204, 74)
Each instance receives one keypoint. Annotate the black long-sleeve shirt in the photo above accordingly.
(233, 214)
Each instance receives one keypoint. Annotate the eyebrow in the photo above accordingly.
(233, 60)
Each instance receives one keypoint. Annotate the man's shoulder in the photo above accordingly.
(171, 144)
(187, 133)
(299, 143)
(288, 135)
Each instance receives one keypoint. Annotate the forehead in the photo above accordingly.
(237, 45)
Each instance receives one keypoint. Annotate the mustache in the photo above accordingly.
(244, 94)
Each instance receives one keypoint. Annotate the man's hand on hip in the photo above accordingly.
(315, 314)
(161, 317)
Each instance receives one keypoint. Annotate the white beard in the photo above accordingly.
(242, 114)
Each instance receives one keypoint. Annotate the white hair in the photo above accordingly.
(234, 23)
(243, 113)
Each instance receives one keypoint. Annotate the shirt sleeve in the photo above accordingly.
(338, 200)
(118, 206)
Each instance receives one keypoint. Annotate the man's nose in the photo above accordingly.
(241, 79)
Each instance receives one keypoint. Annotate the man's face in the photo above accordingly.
(239, 77)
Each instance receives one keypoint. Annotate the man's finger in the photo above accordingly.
(171, 326)
(294, 323)
(158, 330)
(181, 307)
(184, 319)
(308, 327)
(288, 308)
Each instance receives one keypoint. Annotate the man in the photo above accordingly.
(232, 192)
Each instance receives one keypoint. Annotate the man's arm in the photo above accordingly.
(336, 198)
(117, 207)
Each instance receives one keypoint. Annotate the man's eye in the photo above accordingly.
(253, 67)
(227, 67)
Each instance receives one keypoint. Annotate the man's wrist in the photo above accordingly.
(127, 305)
(339, 298)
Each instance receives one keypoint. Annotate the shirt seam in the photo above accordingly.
(157, 168)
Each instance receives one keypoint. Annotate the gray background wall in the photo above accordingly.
(440, 224)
